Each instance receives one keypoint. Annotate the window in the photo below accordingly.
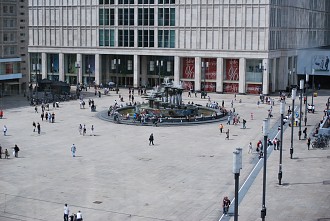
(166, 38)
(166, 17)
(125, 2)
(106, 2)
(146, 16)
(166, 1)
(146, 2)
(106, 37)
(126, 16)
(146, 38)
(125, 38)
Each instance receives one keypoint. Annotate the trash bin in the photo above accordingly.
(315, 94)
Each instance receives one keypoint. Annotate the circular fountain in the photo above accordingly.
(163, 106)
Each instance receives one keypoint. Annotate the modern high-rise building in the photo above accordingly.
(233, 46)
(14, 63)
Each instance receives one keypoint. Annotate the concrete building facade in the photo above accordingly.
(230, 46)
(14, 63)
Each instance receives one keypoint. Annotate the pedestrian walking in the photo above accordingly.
(225, 205)
(73, 150)
(80, 129)
(305, 133)
(79, 216)
(53, 117)
(6, 154)
(5, 129)
(38, 128)
(151, 139)
(0, 152)
(84, 130)
(227, 135)
(250, 148)
(92, 130)
(221, 128)
(232, 103)
(66, 212)
(34, 126)
(228, 120)
(251, 116)
(308, 143)
(42, 115)
(36, 109)
(16, 149)
(278, 142)
(244, 124)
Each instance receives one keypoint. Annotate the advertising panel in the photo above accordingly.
(230, 87)
(188, 68)
(253, 88)
(232, 70)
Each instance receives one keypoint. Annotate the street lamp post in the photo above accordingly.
(237, 165)
(159, 64)
(52, 69)
(205, 65)
(293, 96)
(301, 87)
(265, 133)
(306, 88)
(37, 70)
(313, 87)
(89, 76)
(77, 66)
(280, 173)
(116, 62)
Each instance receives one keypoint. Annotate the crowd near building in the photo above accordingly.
(231, 46)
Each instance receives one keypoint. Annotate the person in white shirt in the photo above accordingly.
(79, 216)
(66, 212)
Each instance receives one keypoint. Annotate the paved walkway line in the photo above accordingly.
(254, 173)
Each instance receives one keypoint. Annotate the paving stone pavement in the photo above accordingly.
(116, 175)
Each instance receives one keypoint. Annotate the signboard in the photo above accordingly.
(211, 71)
(188, 68)
(313, 59)
(230, 87)
(209, 86)
(253, 88)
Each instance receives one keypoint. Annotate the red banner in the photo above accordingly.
(232, 69)
(209, 86)
(188, 85)
(211, 70)
(253, 88)
(188, 68)
(230, 87)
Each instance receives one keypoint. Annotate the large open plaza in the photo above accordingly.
(116, 175)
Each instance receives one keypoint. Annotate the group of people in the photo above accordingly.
(73, 217)
(6, 152)
(82, 130)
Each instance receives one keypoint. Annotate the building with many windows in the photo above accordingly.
(13, 46)
(233, 46)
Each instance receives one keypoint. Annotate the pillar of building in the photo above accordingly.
(265, 76)
(198, 73)
(219, 80)
(273, 74)
(98, 68)
(177, 68)
(136, 68)
(61, 66)
(79, 70)
(144, 70)
(242, 73)
(43, 65)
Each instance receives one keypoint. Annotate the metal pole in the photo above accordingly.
(301, 86)
(313, 88)
(89, 76)
(306, 93)
(265, 132)
(280, 173)
(293, 95)
(236, 196)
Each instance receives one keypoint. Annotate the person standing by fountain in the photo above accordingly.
(227, 135)
(151, 139)
(221, 128)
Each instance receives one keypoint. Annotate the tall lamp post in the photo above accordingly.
(301, 87)
(313, 87)
(280, 173)
(205, 65)
(265, 127)
(306, 93)
(77, 66)
(52, 69)
(237, 165)
(116, 62)
(293, 96)
(159, 64)
(37, 71)
(89, 76)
